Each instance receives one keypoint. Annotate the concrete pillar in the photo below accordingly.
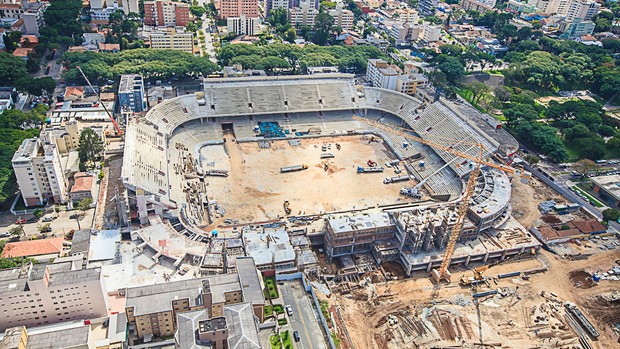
(467, 260)
(202, 121)
(486, 257)
(429, 267)
(504, 255)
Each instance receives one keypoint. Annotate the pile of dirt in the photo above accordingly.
(581, 279)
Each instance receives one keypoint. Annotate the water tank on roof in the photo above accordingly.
(405, 144)
(421, 163)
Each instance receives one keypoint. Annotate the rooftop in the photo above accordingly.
(103, 245)
(83, 182)
(250, 283)
(74, 277)
(360, 222)
(68, 338)
(32, 248)
(268, 246)
(187, 325)
(80, 242)
(129, 82)
(611, 184)
(242, 328)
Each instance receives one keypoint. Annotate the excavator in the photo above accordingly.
(477, 278)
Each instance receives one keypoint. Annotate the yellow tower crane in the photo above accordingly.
(442, 273)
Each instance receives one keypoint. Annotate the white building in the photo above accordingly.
(243, 25)
(380, 74)
(100, 10)
(172, 39)
(33, 17)
(431, 33)
(408, 15)
(342, 18)
(46, 294)
(304, 15)
(582, 10)
(39, 173)
(408, 84)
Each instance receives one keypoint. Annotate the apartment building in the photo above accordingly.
(42, 294)
(473, 5)
(236, 8)
(275, 4)
(408, 84)
(427, 7)
(131, 93)
(171, 39)
(380, 74)
(152, 310)
(162, 13)
(431, 33)
(33, 17)
(243, 25)
(39, 173)
(576, 29)
(408, 15)
(11, 9)
(582, 10)
(342, 18)
(304, 15)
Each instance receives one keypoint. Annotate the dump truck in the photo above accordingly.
(361, 169)
(396, 179)
(287, 207)
(327, 155)
(293, 168)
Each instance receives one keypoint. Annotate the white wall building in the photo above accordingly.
(582, 10)
(380, 74)
(342, 18)
(46, 294)
(39, 173)
(171, 39)
(243, 25)
(304, 15)
(431, 33)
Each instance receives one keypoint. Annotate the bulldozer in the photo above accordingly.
(477, 278)
(287, 207)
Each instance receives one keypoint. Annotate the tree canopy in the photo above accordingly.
(90, 146)
(147, 62)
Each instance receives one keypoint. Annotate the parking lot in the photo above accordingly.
(304, 319)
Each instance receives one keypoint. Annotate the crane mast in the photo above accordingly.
(118, 130)
(442, 272)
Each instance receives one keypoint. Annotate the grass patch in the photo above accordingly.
(283, 321)
(325, 309)
(278, 308)
(268, 311)
(286, 339)
(275, 342)
(271, 290)
(573, 154)
(467, 95)
(587, 195)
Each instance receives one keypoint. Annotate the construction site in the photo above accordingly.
(409, 220)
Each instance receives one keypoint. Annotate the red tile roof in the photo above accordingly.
(32, 248)
(589, 226)
(21, 52)
(83, 182)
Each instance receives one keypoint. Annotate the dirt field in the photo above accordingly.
(256, 190)
(526, 197)
(402, 315)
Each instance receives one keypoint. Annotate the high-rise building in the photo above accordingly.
(243, 25)
(380, 74)
(39, 173)
(427, 7)
(42, 294)
(304, 15)
(236, 8)
(33, 17)
(172, 39)
(162, 13)
(583, 10)
(274, 4)
(131, 93)
(342, 18)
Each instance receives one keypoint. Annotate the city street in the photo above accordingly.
(210, 50)
(304, 319)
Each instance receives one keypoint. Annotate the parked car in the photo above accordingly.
(48, 219)
(46, 230)
(20, 221)
(289, 310)
(74, 216)
(4, 235)
(32, 220)
(296, 336)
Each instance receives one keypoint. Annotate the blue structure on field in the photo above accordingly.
(271, 129)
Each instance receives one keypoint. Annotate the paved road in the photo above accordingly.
(304, 319)
(210, 50)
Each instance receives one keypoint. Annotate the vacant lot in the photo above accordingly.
(256, 190)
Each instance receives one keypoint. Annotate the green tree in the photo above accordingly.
(478, 91)
(17, 231)
(606, 131)
(584, 166)
(197, 11)
(84, 205)
(611, 214)
(323, 26)
(90, 146)
(290, 35)
(38, 213)
(191, 27)
(11, 68)
(278, 16)
(452, 67)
